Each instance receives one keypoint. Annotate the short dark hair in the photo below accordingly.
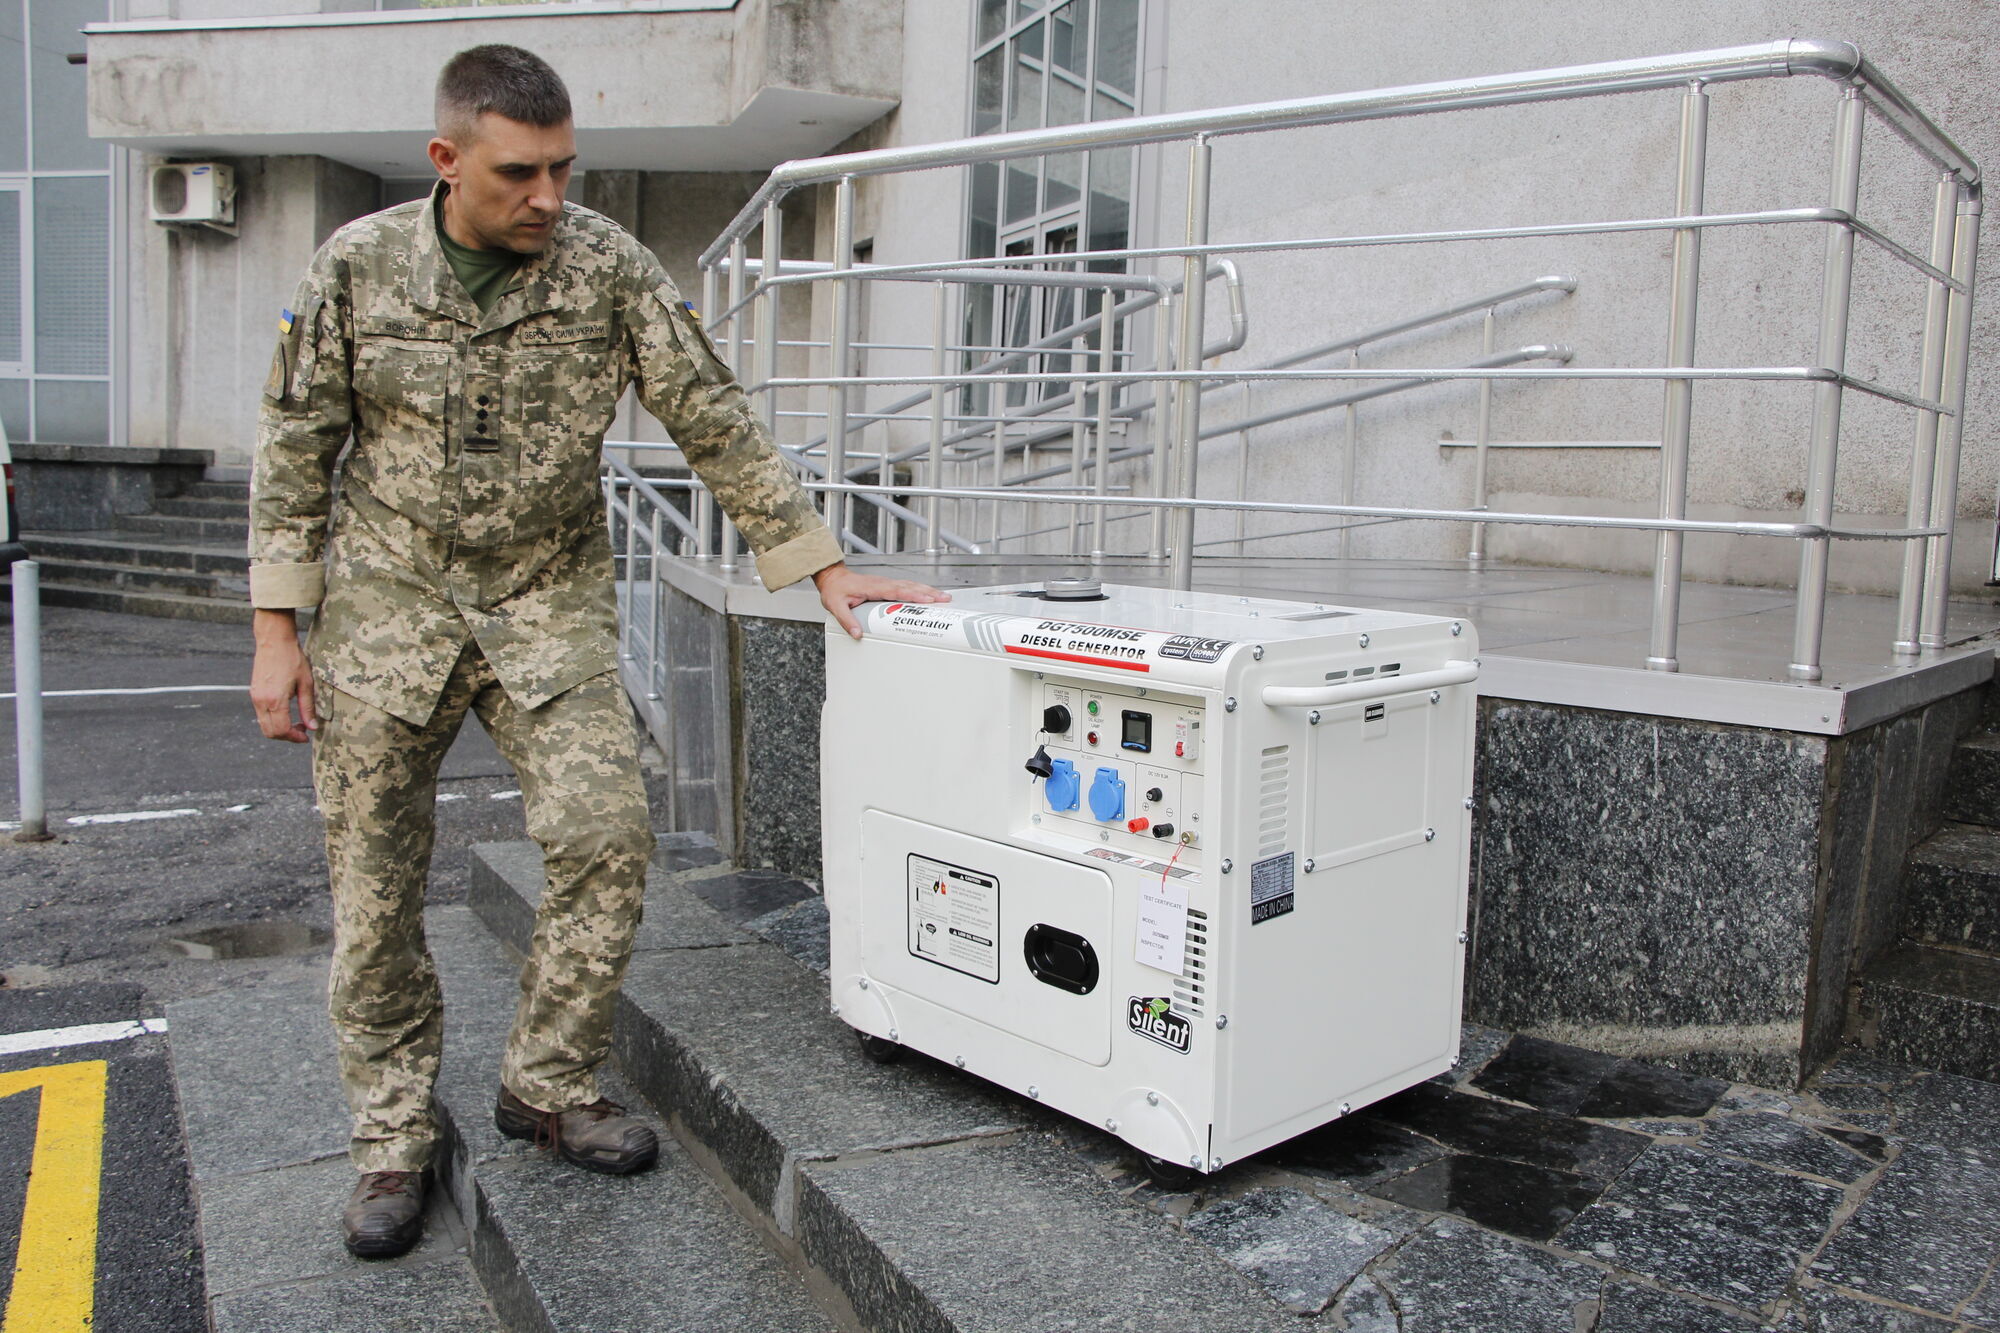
(505, 80)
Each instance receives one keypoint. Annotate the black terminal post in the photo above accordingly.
(1039, 764)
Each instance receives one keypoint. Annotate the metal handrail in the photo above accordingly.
(1836, 60)
(1182, 363)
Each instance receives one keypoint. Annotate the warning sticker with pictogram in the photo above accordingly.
(955, 917)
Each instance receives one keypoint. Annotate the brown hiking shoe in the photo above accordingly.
(384, 1216)
(597, 1137)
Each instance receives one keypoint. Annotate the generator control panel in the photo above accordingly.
(1124, 766)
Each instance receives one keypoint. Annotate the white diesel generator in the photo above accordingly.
(1189, 867)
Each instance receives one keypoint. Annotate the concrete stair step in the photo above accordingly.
(188, 531)
(123, 548)
(1933, 1009)
(167, 605)
(218, 490)
(132, 578)
(1951, 890)
(926, 1198)
(223, 507)
(563, 1250)
(1972, 792)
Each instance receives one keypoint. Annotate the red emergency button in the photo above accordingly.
(1139, 825)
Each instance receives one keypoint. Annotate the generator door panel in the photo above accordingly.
(1013, 939)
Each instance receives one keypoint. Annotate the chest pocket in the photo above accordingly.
(401, 389)
(561, 390)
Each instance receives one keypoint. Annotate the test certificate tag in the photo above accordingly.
(1162, 938)
(955, 917)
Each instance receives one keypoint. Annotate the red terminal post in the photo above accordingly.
(1139, 825)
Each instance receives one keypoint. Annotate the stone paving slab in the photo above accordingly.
(436, 1298)
(1003, 1236)
(257, 1080)
(506, 885)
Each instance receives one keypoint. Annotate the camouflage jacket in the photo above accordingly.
(469, 504)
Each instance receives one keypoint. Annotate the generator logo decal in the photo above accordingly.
(1194, 648)
(1271, 888)
(1153, 1017)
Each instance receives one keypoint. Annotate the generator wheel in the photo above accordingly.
(1171, 1176)
(878, 1050)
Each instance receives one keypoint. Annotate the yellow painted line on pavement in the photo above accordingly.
(55, 1270)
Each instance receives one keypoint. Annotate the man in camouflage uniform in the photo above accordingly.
(474, 345)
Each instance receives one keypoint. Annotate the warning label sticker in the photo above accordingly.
(1271, 888)
(955, 917)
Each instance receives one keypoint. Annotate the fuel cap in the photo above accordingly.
(1072, 590)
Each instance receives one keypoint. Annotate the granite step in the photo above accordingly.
(189, 531)
(123, 548)
(218, 490)
(138, 578)
(167, 605)
(1951, 890)
(266, 1128)
(924, 1197)
(559, 1250)
(1936, 1009)
(1972, 792)
(185, 506)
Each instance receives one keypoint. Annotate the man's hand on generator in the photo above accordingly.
(278, 675)
(842, 589)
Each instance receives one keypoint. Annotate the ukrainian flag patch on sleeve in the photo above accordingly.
(285, 321)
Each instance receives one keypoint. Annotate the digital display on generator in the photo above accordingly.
(1138, 732)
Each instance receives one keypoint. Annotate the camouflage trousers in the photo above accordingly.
(576, 758)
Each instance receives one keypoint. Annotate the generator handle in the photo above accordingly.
(1358, 691)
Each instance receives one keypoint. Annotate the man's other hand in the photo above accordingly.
(278, 675)
(842, 589)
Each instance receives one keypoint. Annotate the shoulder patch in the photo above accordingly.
(285, 321)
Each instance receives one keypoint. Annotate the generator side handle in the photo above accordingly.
(1359, 691)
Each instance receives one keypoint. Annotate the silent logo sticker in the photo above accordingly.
(1153, 1017)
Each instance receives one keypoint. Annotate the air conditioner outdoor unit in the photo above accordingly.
(194, 192)
(1224, 903)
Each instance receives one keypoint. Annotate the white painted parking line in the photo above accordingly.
(45, 1039)
(503, 795)
(132, 816)
(150, 689)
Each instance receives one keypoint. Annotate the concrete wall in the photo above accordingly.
(205, 305)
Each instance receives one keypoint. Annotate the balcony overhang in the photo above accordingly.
(684, 85)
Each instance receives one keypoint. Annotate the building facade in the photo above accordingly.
(684, 105)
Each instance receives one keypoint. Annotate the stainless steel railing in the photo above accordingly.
(1179, 368)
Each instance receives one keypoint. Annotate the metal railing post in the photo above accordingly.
(1163, 353)
(655, 648)
(934, 476)
(27, 587)
(839, 336)
(1475, 553)
(1347, 462)
(1944, 490)
(769, 303)
(1079, 436)
(1187, 393)
(1663, 653)
(1107, 362)
(1923, 452)
(705, 508)
(1836, 289)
